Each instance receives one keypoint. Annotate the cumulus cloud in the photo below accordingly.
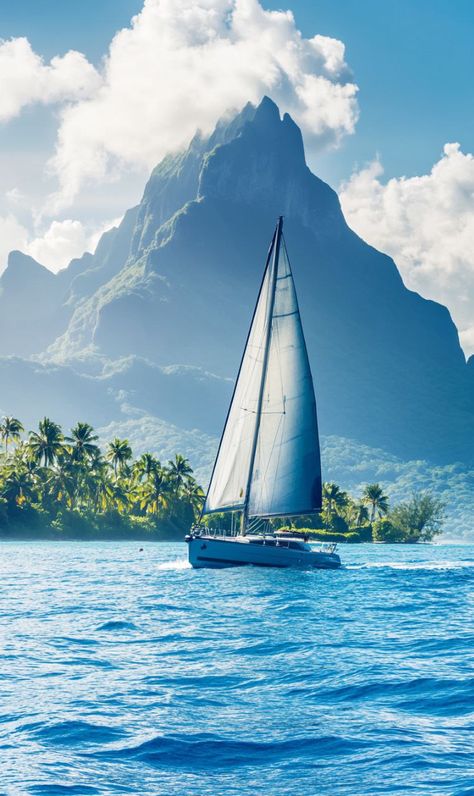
(427, 225)
(184, 63)
(61, 242)
(25, 78)
(178, 67)
(56, 246)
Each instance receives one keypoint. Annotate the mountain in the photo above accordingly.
(153, 323)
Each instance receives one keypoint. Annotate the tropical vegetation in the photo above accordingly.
(372, 519)
(65, 486)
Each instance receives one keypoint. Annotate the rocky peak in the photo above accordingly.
(259, 157)
(23, 272)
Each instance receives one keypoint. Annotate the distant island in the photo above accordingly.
(61, 486)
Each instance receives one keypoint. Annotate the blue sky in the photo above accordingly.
(79, 136)
(413, 63)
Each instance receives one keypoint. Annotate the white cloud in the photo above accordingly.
(56, 246)
(26, 79)
(184, 63)
(467, 339)
(63, 241)
(427, 225)
(13, 235)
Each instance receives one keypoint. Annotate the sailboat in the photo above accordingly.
(268, 463)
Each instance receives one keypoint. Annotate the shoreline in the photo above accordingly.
(61, 537)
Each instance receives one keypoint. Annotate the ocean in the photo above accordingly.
(127, 672)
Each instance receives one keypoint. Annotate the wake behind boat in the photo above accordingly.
(268, 464)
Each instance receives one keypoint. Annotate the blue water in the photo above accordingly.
(127, 672)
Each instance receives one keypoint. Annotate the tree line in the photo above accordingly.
(372, 517)
(67, 485)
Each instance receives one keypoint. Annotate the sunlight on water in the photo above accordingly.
(124, 671)
(180, 564)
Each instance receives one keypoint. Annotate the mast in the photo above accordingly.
(276, 255)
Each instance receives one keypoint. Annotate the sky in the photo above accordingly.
(383, 92)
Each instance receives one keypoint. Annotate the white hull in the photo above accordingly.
(216, 553)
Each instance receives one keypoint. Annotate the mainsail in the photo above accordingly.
(268, 463)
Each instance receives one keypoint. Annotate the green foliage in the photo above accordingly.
(10, 430)
(420, 518)
(335, 503)
(352, 463)
(364, 532)
(319, 534)
(346, 519)
(374, 498)
(63, 486)
(416, 520)
(385, 531)
(353, 537)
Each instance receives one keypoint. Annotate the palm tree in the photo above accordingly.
(374, 497)
(46, 444)
(120, 497)
(155, 493)
(98, 486)
(333, 498)
(194, 495)
(82, 442)
(361, 514)
(357, 514)
(145, 466)
(54, 475)
(18, 487)
(119, 453)
(10, 429)
(335, 502)
(179, 470)
(63, 483)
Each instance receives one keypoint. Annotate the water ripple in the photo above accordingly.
(137, 675)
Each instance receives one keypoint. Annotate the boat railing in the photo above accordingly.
(281, 540)
(203, 530)
(326, 547)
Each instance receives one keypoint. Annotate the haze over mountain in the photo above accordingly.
(152, 325)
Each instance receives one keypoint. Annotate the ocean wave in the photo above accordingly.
(117, 624)
(54, 789)
(75, 733)
(413, 565)
(210, 752)
(242, 683)
(426, 695)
